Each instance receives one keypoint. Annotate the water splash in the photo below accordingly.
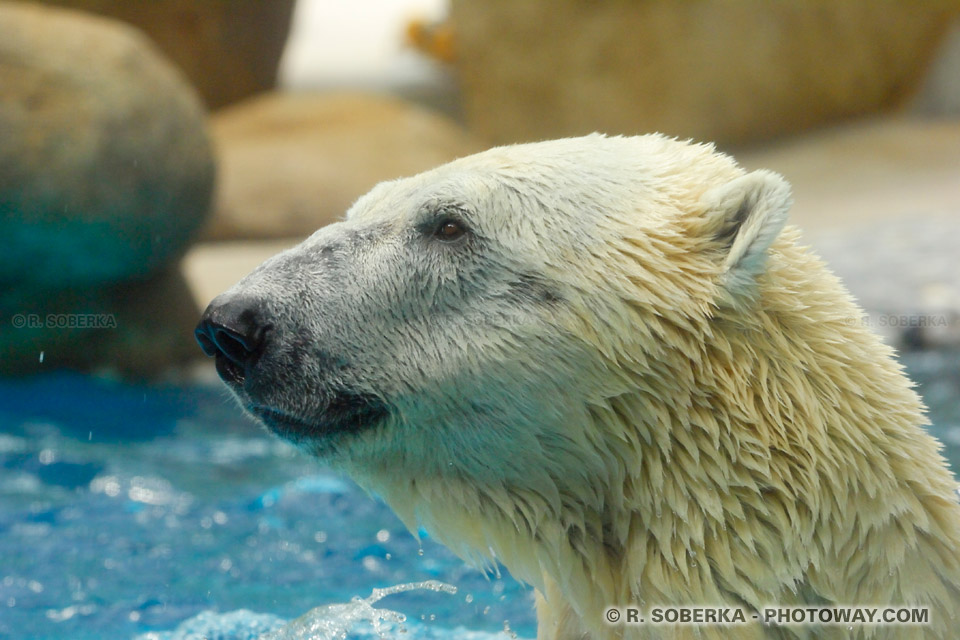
(208, 625)
(334, 621)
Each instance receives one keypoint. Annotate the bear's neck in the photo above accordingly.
(734, 472)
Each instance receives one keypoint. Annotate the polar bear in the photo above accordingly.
(606, 363)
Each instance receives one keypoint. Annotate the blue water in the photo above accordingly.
(129, 509)
(126, 509)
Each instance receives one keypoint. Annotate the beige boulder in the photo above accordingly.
(229, 49)
(730, 72)
(291, 163)
(106, 172)
(106, 169)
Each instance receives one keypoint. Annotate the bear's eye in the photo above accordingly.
(449, 229)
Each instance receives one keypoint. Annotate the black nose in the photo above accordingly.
(233, 331)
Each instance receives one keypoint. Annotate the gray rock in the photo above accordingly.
(105, 165)
(905, 273)
(137, 329)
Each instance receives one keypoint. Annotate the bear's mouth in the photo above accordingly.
(345, 412)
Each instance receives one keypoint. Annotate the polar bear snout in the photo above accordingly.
(233, 330)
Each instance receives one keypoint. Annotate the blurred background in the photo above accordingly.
(154, 152)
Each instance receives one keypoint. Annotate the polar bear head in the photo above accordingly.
(455, 343)
(605, 363)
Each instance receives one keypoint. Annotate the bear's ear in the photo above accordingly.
(745, 216)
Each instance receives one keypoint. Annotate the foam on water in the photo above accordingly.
(327, 622)
(209, 625)
(333, 622)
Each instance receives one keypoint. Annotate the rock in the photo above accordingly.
(136, 328)
(940, 93)
(904, 273)
(106, 171)
(722, 71)
(105, 165)
(879, 200)
(291, 163)
(854, 175)
(229, 49)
